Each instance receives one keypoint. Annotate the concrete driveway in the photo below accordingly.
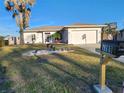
(92, 47)
(121, 59)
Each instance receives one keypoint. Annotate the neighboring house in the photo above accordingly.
(120, 35)
(71, 34)
(11, 40)
(17, 40)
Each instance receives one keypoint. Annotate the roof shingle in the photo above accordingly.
(85, 25)
(59, 28)
(46, 28)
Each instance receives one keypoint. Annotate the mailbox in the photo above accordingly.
(113, 47)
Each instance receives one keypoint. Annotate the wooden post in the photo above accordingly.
(103, 61)
(102, 67)
(103, 76)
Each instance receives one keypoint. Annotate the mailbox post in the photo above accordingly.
(104, 59)
(103, 63)
(109, 49)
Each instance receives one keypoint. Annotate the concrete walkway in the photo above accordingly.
(91, 48)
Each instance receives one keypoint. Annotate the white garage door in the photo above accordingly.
(83, 37)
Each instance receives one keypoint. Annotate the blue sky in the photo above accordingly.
(64, 12)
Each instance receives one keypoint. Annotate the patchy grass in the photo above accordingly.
(73, 72)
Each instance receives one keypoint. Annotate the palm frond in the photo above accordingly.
(21, 10)
(31, 2)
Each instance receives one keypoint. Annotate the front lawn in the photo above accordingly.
(73, 72)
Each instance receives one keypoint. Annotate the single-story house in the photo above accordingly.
(11, 40)
(70, 34)
(40, 34)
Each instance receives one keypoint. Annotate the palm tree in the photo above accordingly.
(21, 10)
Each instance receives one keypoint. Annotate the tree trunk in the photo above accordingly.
(21, 29)
(21, 37)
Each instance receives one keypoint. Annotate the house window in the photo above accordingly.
(47, 37)
(33, 37)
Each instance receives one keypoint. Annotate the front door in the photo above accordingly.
(47, 37)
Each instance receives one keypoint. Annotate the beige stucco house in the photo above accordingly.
(40, 34)
(11, 40)
(71, 34)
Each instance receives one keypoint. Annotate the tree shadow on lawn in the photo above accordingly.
(112, 72)
(5, 82)
(19, 66)
(26, 77)
(54, 75)
(115, 87)
(68, 79)
(90, 68)
(88, 82)
(115, 78)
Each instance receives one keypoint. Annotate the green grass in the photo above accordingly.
(74, 72)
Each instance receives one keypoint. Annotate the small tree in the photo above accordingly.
(110, 29)
(21, 10)
(56, 36)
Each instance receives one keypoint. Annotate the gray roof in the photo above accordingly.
(59, 28)
(45, 29)
(85, 25)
